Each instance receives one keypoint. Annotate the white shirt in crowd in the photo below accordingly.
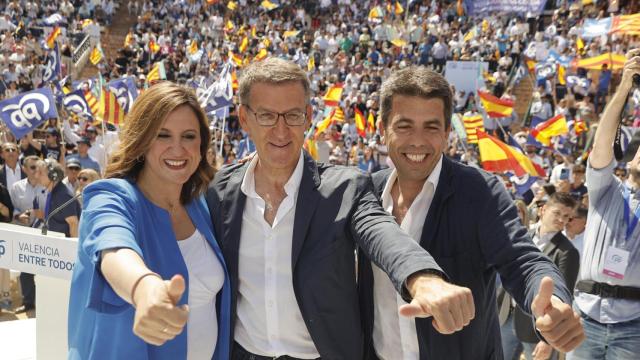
(206, 278)
(13, 175)
(394, 336)
(266, 277)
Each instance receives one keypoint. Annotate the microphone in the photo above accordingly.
(45, 227)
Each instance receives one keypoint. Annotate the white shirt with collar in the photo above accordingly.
(269, 321)
(539, 240)
(394, 336)
(13, 176)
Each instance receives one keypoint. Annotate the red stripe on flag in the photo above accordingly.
(540, 127)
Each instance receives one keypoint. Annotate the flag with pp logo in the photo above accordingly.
(27, 111)
(52, 66)
(76, 103)
(125, 92)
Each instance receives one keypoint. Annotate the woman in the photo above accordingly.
(147, 257)
(85, 177)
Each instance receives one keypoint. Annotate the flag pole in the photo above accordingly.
(224, 120)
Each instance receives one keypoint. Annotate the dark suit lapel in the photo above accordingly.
(232, 208)
(442, 193)
(306, 202)
(552, 245)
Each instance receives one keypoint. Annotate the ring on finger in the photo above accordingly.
(165, 330)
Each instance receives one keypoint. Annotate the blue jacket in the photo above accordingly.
(116, 214)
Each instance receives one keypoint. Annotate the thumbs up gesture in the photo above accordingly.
(556, 321)
(451, 306)
(158, 318)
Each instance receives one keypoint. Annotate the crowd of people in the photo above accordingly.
(345, 43)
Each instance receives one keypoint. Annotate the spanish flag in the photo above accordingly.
(232, 5)
(497, 156)
(555, 126)
(580, 45)
(580, 126)
(531, 65)
(325, 123)
(495, 107)
(472, 124)
(290, 33)
(371, 122)
(615, 62)
(229, 27)
(311, 64)
(153, 47)
(262, 54)
(376, 12)
(361, 125)
(333, 95)
(310, 146)
(268, 5)
(254, 32)
(193, 47)
(86, 22)
(109, 109)
(562, 75)
(235, 59)
(243, 44)
(234, 80)
(53, 36)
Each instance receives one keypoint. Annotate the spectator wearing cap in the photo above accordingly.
(52, 148)
(73, 167)
(83, 157)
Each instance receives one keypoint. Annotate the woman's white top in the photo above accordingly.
(206, 277)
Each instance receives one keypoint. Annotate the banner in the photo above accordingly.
(76, 103)
(125, 91)
(25, 112)
(52, 67)
(479, 7)
(464, 75)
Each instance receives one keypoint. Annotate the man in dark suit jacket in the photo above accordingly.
(547, 235)
(467, 221)
(288, 229)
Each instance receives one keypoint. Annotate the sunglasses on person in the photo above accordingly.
(10, 150)
(82, 178)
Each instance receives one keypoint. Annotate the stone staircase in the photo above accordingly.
(112, 38)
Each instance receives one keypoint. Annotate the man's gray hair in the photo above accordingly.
(271, 71)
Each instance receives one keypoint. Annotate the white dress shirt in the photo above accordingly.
(394, 336)
(269, 321)
(13, 176)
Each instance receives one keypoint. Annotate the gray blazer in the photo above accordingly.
(566, 257)
(337, 210)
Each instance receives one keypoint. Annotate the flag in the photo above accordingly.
(399, 42)
(219, 94)
(254, 33)
(52, 67)
(361, 124)
(76, 103)
(325, 123)
(290, 33)
(497, 156)
(128, 40)
(311, 64)
(236, 59)
(262, 54)
(522, 184)
(229, 26)
(310, 146)
(125, 91)
(157, 73)
(472, 124)
(580, 45)
(269, 5)
(338, 115)
(243, 44)
(398, 8)
(193, 47)
(580, 126)
(376, 12)
(495, 107)
(86, 22)
(51, 39)
(555, 126)
(109, 110)
(25, 112)
(92, 101)
(472, 33)
(96, 55)
(371, 122)
(562, 75)
(234, 80)
(531, 65)
(615, 62)
(333, 95)
(153, 47)
(19, 31)
(232, 5)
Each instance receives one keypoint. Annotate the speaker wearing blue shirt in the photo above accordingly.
(150, 281)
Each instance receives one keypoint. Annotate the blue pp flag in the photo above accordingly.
(25, 112)
(76, 103)
(522, 184)
(125, 92)
(52, 66)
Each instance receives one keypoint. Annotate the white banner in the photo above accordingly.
(26, 250)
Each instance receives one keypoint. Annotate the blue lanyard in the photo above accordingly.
(629, 219)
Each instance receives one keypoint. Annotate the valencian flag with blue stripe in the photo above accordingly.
(125, 91)
(25, 112)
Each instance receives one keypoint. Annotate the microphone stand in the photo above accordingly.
(45, 227)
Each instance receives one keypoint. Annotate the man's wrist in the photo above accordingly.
(426, 273)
